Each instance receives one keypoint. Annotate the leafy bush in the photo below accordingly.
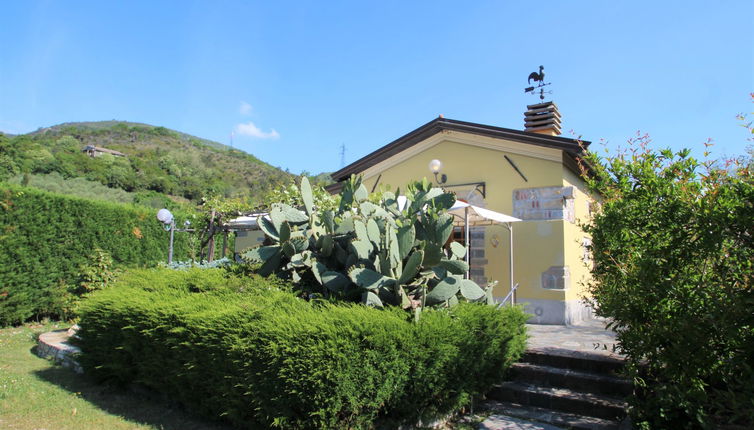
(46, 238)
(673, 250)
(243, 349)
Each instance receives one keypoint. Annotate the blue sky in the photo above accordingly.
(296, 80)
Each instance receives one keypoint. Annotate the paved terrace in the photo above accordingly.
(586, 337)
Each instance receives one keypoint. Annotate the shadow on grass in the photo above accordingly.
(138, 407)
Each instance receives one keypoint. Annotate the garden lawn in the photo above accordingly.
(37, 394)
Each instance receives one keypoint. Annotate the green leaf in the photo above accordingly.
(302, 259)
(362, 249)
(406, 237)
(369, 279)
(373, 231)
(288, 249)
(443, 201)
(412, 266)
(432, 254)
(456, 267)
(340, 254)
(285, 231)
(291, 214)
(458, 250)
(452, 301)
(490, 299)
(471, 291)
(384, 265)
(335, 281)
(371, 209)
(443, 291)
(277, 217)
(317, 270)
(268, 228)
(306, 195)
(444, 228)
(327, 245)
(328, 220)
(372, 300)
(440, 273)
(261, 254)
(272, 264)
(345, 226)
(300, 243)
(361, 193)
(361, 230)
(405, 301)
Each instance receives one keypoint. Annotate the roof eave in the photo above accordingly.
(437, 125)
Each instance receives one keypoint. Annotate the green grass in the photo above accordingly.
(38, 394)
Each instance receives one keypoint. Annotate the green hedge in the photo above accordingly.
(45, 238)
(256, 355)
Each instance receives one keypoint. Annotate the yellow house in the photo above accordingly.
(532, 175)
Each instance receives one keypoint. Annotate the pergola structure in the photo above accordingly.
(467, 215)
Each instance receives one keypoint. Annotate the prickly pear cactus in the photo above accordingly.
(377, 250)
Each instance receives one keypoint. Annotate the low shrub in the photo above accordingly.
(244, 349)
(204, 264)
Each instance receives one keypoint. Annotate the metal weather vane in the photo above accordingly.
(538, 78)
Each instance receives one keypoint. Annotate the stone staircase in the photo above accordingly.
(566, 389)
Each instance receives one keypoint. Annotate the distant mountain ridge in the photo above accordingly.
(157, 159)
(105, 125)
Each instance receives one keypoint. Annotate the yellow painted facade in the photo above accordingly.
(537, 245)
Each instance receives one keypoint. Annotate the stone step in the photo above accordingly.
(499, 411)
(574, 360)
(560, 400)
(576, 380)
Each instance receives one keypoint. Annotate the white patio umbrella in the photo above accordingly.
(467, 215)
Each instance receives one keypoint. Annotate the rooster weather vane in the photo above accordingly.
(538, 78)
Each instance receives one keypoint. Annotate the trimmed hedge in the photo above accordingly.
(45, 238)
(247, 351)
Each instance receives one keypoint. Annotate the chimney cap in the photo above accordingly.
(543, 118)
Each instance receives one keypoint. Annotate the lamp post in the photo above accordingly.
(168, 223)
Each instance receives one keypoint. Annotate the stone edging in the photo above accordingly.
(54, 345)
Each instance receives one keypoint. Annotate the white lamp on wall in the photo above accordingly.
(435, 166)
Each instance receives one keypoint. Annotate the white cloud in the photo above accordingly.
(251, 130)
(244, 108)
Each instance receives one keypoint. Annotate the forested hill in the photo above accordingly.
(155, 158)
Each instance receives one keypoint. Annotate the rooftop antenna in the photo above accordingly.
(342, 155)
(538, 78)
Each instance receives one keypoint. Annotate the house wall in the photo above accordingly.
(574, 239)
(541, 248)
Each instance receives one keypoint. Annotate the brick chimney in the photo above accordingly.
(543, 118)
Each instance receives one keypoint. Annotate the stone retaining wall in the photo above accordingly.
(54, 345)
